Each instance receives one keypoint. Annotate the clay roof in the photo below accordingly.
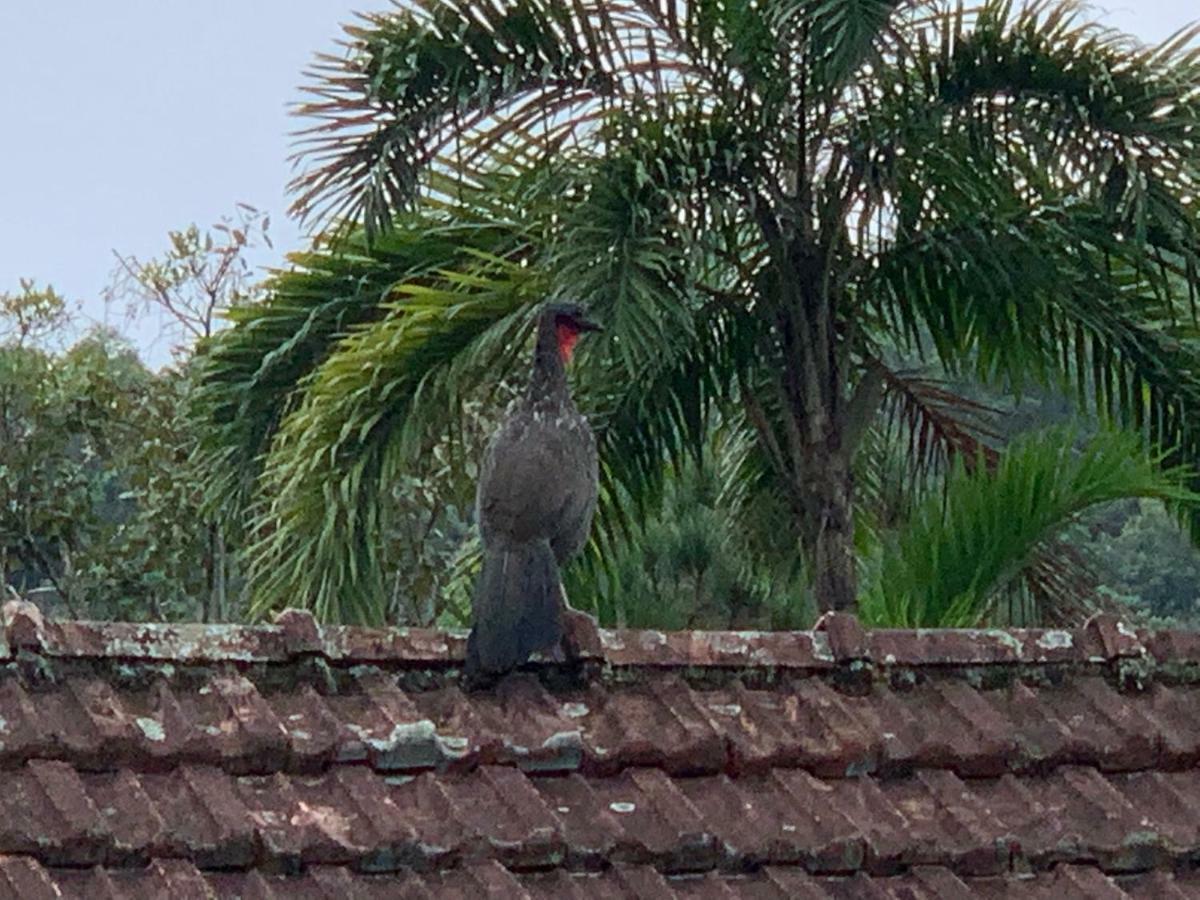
(294, 761)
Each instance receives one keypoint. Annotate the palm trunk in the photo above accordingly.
(825, 442)
(220, 561)
(827, 528)
(827, 423)
(831, 488)
(822, 424)
(816, 464)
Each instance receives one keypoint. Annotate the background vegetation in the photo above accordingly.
(900, 310)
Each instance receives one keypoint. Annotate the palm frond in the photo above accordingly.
(363, 414)
(249, 374)
(922, 426)
(1037, 154)
(436, 84)
(1059, 588)
(836, 36)
(937, 422)
(1054, 296)
(1044, 91)
(961, 549)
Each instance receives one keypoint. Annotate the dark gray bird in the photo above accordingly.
(535, 499)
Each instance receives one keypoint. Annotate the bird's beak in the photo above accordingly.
(588, 325)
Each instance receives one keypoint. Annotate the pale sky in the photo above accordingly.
(123, 119)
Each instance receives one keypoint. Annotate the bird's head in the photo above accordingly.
(569, 321)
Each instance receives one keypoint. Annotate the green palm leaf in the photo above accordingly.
(438, 83)
(363, 414)
(838, 36)
(250, 374)
(962, 549)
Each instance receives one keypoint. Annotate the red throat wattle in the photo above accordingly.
(568, 334)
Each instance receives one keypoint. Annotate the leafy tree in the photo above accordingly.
(100, 497)
(194, 283)
(200, 276)
(1144, 565)
(762, 200)
(97, 501)
(31, 314)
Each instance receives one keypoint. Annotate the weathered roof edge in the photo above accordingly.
(836, 640)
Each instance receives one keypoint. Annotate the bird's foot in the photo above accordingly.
(581, 634)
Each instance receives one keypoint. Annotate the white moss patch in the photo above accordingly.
(151, 728)
(1056, 640)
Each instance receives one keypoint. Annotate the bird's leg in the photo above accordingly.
(581, 632)
(562, 598)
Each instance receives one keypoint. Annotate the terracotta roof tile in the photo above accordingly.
(290, 760)
(204, 818)
(178, 878)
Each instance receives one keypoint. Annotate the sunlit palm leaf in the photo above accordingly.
(250, 373)
(364, 409)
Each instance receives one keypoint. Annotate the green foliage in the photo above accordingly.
(251, 372)
(1144, 564)
(100, 495)
(715, 553)
(352, 432)
(96, 499)
(762, 202)
(32, 313)
(949, 565)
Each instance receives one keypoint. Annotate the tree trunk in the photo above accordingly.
(220, 607)
(210, 574)
(822, 423)
(827, 530)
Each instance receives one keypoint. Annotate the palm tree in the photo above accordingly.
(765, 201)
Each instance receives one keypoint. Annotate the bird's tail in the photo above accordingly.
(517, 608)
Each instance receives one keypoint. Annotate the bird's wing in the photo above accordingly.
(520, 484)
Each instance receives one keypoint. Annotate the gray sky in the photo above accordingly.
(124, 119)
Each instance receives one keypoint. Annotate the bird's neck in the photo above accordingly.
(549, 376)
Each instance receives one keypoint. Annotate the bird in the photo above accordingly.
(534, 502)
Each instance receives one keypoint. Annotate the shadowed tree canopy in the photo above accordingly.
(765, 203)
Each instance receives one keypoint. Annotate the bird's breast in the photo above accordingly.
(539, 473)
